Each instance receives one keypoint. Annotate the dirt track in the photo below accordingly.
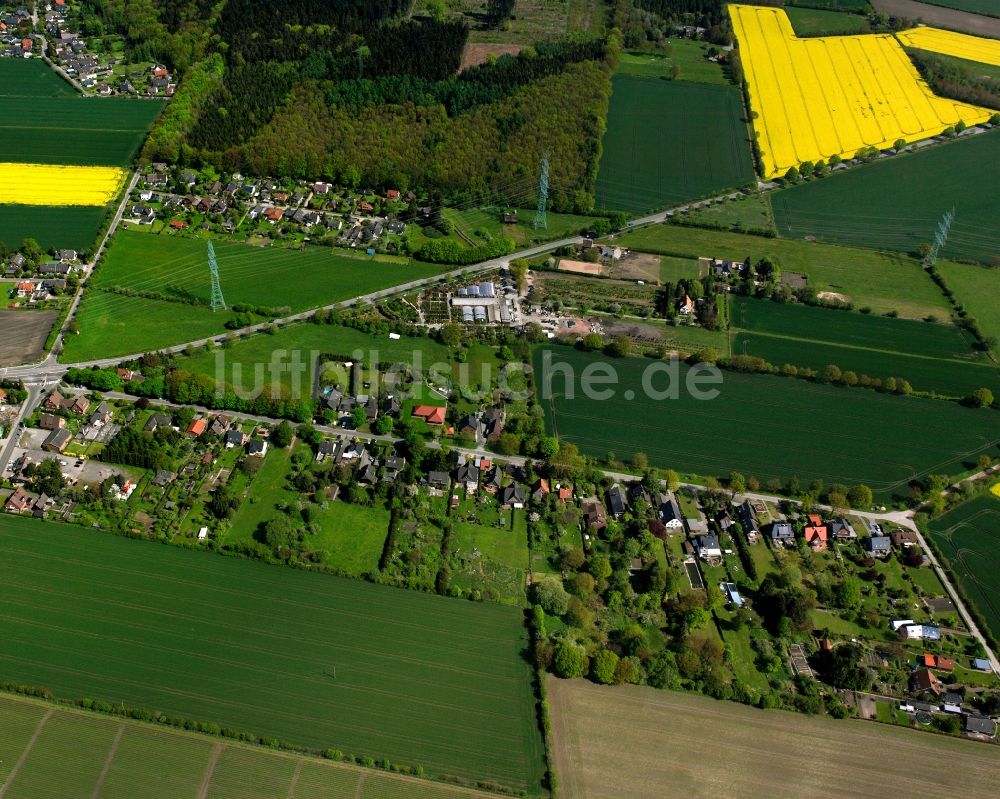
(641, 743)
(941, 17)
(23, 334)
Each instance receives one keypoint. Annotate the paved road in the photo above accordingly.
(27, 408)
(941, 17)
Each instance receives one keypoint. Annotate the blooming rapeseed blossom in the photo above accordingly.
(50, 184)
(833, 95)
(959, 45)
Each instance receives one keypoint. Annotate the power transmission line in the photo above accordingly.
(217, 299)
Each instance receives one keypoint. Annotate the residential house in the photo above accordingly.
(492, 479)
(432, 414)
(540, 490)
(158, 420)
(367, 473)
(637, 492)
(48, 421)
(707, 546)
(391, 405)
(981, 664)
(392, 467)
(55, 401)
(748, 520)
(468, 425)
(3, 396)
(467, 472)
(197, 428)
(782, 534)
(163, 478)
(669, 512)
(878, 546)
(19, 501)
(925, 680)
(595, 516)
(512, 496)
(980, 725)
(257, 448)
(494, 419)
(101, 416)
(842, 530)
(57, 440)
(326, 449)
(355, 451)
(438, 481)
(565, 493)
(816, 533)
(616, 501)
(235, 438)
(903, 538)
(686, 306)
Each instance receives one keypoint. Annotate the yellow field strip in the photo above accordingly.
(49, 184)
(835, 95)
(959, 45)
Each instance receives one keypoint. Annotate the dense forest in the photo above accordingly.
(361, 92)
(959, 80)
(174, 32)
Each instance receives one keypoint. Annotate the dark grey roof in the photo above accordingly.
(781, 531)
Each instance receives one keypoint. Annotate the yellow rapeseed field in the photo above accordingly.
(959, 45)
(49, 184)
(833, 95)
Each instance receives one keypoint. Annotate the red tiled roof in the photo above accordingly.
(432, 414)
(197, 427)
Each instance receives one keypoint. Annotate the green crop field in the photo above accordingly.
(42, 120)
(71, 226)
(813, 22)
(850, 328)
(932, 357)
(308, 658)
(31, 78)
(882, 281)
(78, 755)
(689, 56)
(975, 289)
(669, 141)
(768, 426)
(177, 269)
(896, 204)
(969, 537)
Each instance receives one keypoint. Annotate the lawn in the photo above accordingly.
(482, 224)
(268, 489)
(670, 141)
(689, 56)
(748, 214)
(897, 203)
(764, 425)
(967, 536)
(883, 281)
(673, 269)
(147, 762)
(175, 270)
(237, 364)
(813, 22)
(975, 289)
(490, 559)
(351, 537)
(316, 660)
(633, 740)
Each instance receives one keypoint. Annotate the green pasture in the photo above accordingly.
(976, 289)
(987, 7)
(882, 281)
(746, 214)
(689, 56)
(967, 536)
(897, 203)
(311, 659)
(768, 426)
(175, 270)
(670, 141)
